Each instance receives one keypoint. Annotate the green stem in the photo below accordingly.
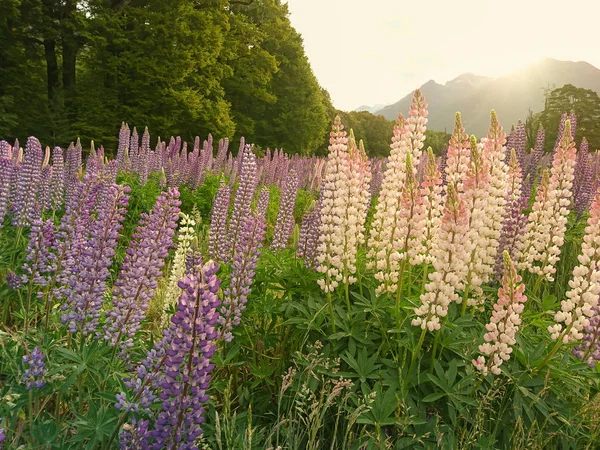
(466, 295)
(425, 273)
(538, 283)
(346, 288)
(413, 358)
(435, 344)
(331, 311)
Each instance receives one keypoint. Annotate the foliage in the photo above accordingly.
(586, 105)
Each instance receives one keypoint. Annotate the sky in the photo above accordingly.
(366, 52)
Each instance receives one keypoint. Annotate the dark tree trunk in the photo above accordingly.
(70, 47)
(51, 71)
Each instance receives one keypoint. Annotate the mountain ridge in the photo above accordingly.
(511, 95)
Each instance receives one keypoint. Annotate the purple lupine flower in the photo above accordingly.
(243, 199)
(376, 179)
(193, 259)
(57, 180)
(24, 208)
(141, 269)
(583, 184)
(218, 247)
(6, 173)
(2, 435)
(285, 218)
(535, 158)
(561, 127)
(143, 157)
(134, 148)
(5, 150)
(44, 200)
(589, 350)
(243, 268)
(263, 202)
(221, 158)
(134, 435)
(71, 171)
(36, 371)
(13, 280)
(182, 375)
(519, 143)
(309, 237)
(40, 260)
(88, 284)
(443, 162)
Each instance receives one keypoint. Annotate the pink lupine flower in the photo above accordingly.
(451, 254)
(504, 323)
(334, 195)
(476, 196)
(457, 156)
(582, 299)
(431, 193)
(495, 208)
(546, 228)
(387, 240)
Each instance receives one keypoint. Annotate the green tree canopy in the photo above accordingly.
(586, 105)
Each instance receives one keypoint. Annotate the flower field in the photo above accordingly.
(199, 296)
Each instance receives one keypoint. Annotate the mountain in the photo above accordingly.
(371, 109)
(510, 95)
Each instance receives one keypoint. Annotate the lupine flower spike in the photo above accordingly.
(504, 323)
(582, 299)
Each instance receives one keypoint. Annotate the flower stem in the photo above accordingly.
(413, 358)
(331, 311)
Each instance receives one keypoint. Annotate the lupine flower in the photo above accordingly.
(547, 222)
(40, 259)
(44, 189)
(57, 179)
(504, 323)
(536, 156)
(182, 375)
(178, 269)
(476, 196)
(518, 142)
(457, 156)
(123, 144)
(88, 284)
(589, 350)
(583, 183)
(217, 235)
(24, 207)
(285, 218)
(582, 298)
(221, 155)
(431, 193)
(514, 220)
(263, 202)
(141, 269)
(495, 205)
(450, 263)
(562, 126)
(6, 171)
(243, 198)
(2, 435)
(309, 236)
(13, 280)
(243, 269)
(35, 372)
(334, 193)
(360, 179)
(388, 236)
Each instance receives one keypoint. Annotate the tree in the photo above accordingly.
(586, 105)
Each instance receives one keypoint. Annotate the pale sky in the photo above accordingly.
(377, 51)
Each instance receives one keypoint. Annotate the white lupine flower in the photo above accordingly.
(185, 238)
(582, 298)
(547, 223)
(389, 230)
(458, 156)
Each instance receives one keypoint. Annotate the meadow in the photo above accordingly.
(210, 297)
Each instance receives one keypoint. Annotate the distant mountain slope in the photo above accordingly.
(371, 109)
(511, 95)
